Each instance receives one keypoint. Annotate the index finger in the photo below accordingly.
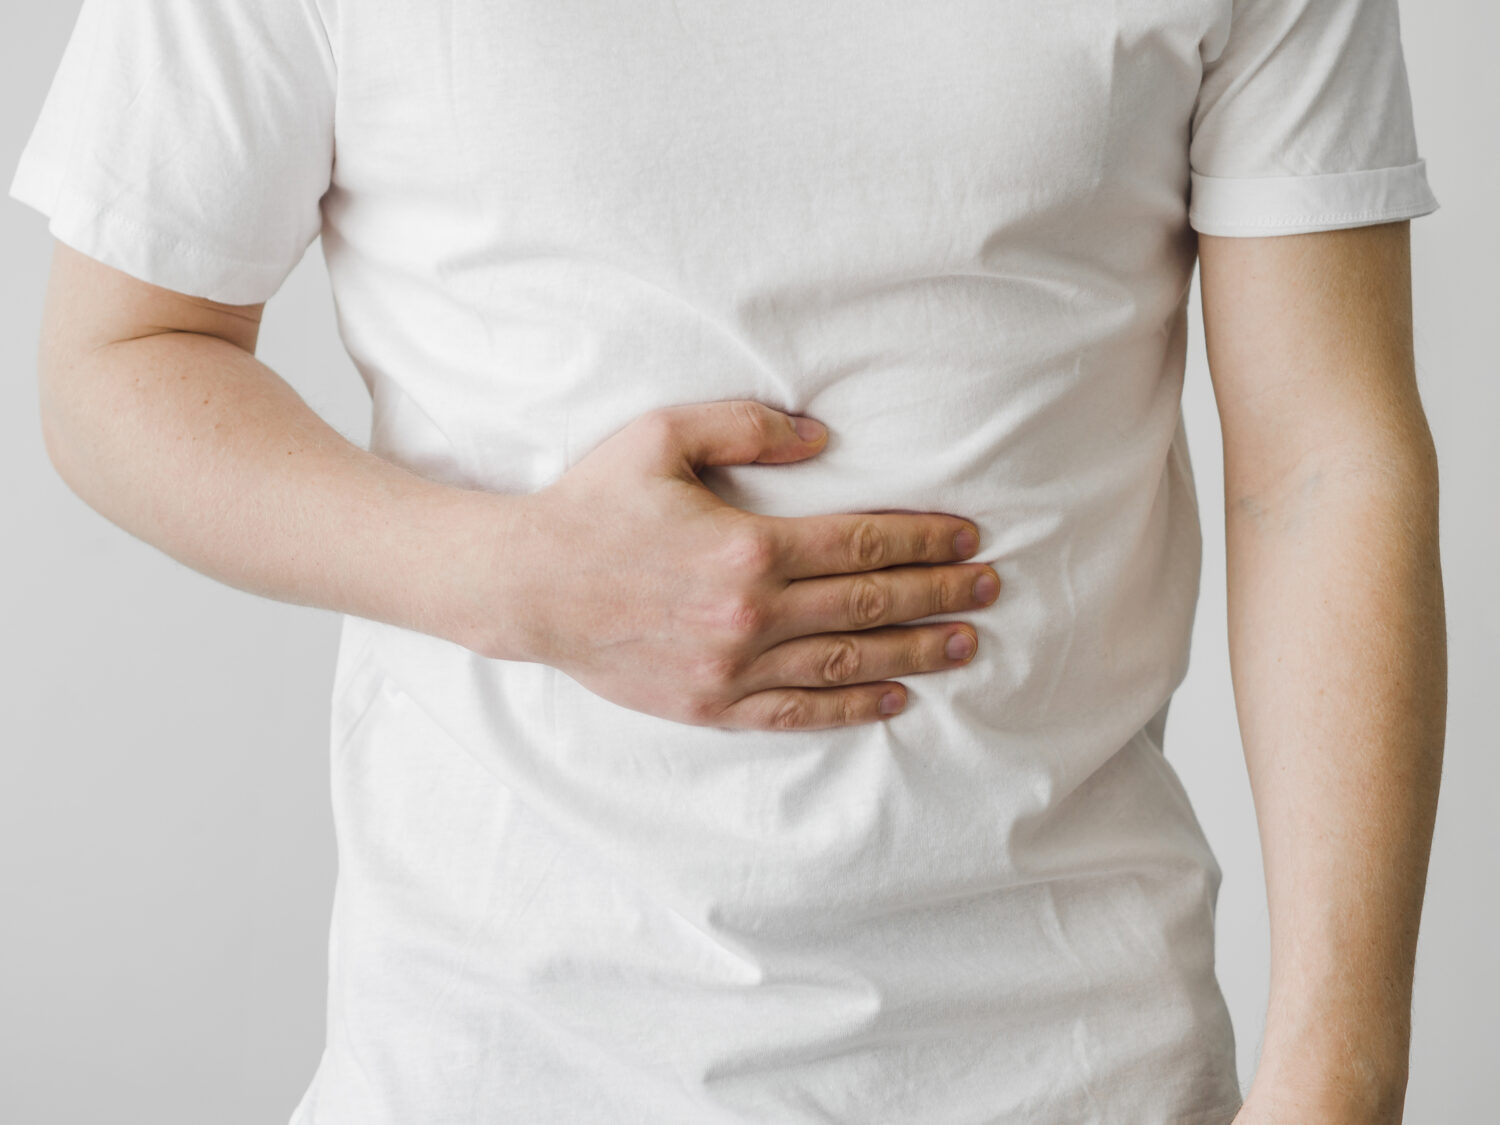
(850, 542)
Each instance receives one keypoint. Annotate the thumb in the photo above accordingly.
(738, 432)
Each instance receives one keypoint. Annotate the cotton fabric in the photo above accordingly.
(961, 234)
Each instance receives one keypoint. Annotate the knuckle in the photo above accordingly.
(840, 662)
(849, 710)
(919, 656)
(752, 418)
(945, 592)
(704, 711)
(929, 543)
(714, 675)
(868, 602)
(750, 551)
(658, 426)
(790, 712)
(865, 546)
(745, 616)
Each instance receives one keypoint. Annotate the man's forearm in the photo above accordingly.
(1337, 645)
(193, 445)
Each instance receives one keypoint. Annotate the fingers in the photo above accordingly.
(807, 709)
(796, 685)
(732, 432)
(832, 660)
(866, 601)
(813, 546)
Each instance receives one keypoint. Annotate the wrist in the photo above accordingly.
(1334, 1087)
(1341, 1025)
(474, 592)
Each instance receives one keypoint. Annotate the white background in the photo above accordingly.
(166, 848)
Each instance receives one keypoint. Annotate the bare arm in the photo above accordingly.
(1337, 645)
(156, 412)
(626, 573)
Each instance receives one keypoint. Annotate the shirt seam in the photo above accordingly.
(1384, 170)
(1324, 217)
(333, 57)
(337, 90)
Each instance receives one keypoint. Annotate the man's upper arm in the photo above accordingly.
(90, 305)
(1309, 341)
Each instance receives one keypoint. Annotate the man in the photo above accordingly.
(625, 831)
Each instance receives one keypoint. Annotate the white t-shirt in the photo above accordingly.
(961, 233)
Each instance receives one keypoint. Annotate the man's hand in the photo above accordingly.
(627, 573)
(649, 590)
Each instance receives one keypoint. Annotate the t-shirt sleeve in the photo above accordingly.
(188, 142)
(1304, 122)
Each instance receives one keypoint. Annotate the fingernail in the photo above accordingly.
(960, 646)
(966, 542)
(890, 703)
(986, 588)
(807, 429)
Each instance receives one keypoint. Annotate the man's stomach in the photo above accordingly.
(1071, 459)
(1002, 882)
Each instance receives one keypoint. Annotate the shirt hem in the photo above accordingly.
(144, 250)
(1271, 205)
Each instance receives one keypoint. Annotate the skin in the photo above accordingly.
(659, 596)
(156, 412)
(1337, 646)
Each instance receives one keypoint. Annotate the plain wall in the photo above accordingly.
(166, 848)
